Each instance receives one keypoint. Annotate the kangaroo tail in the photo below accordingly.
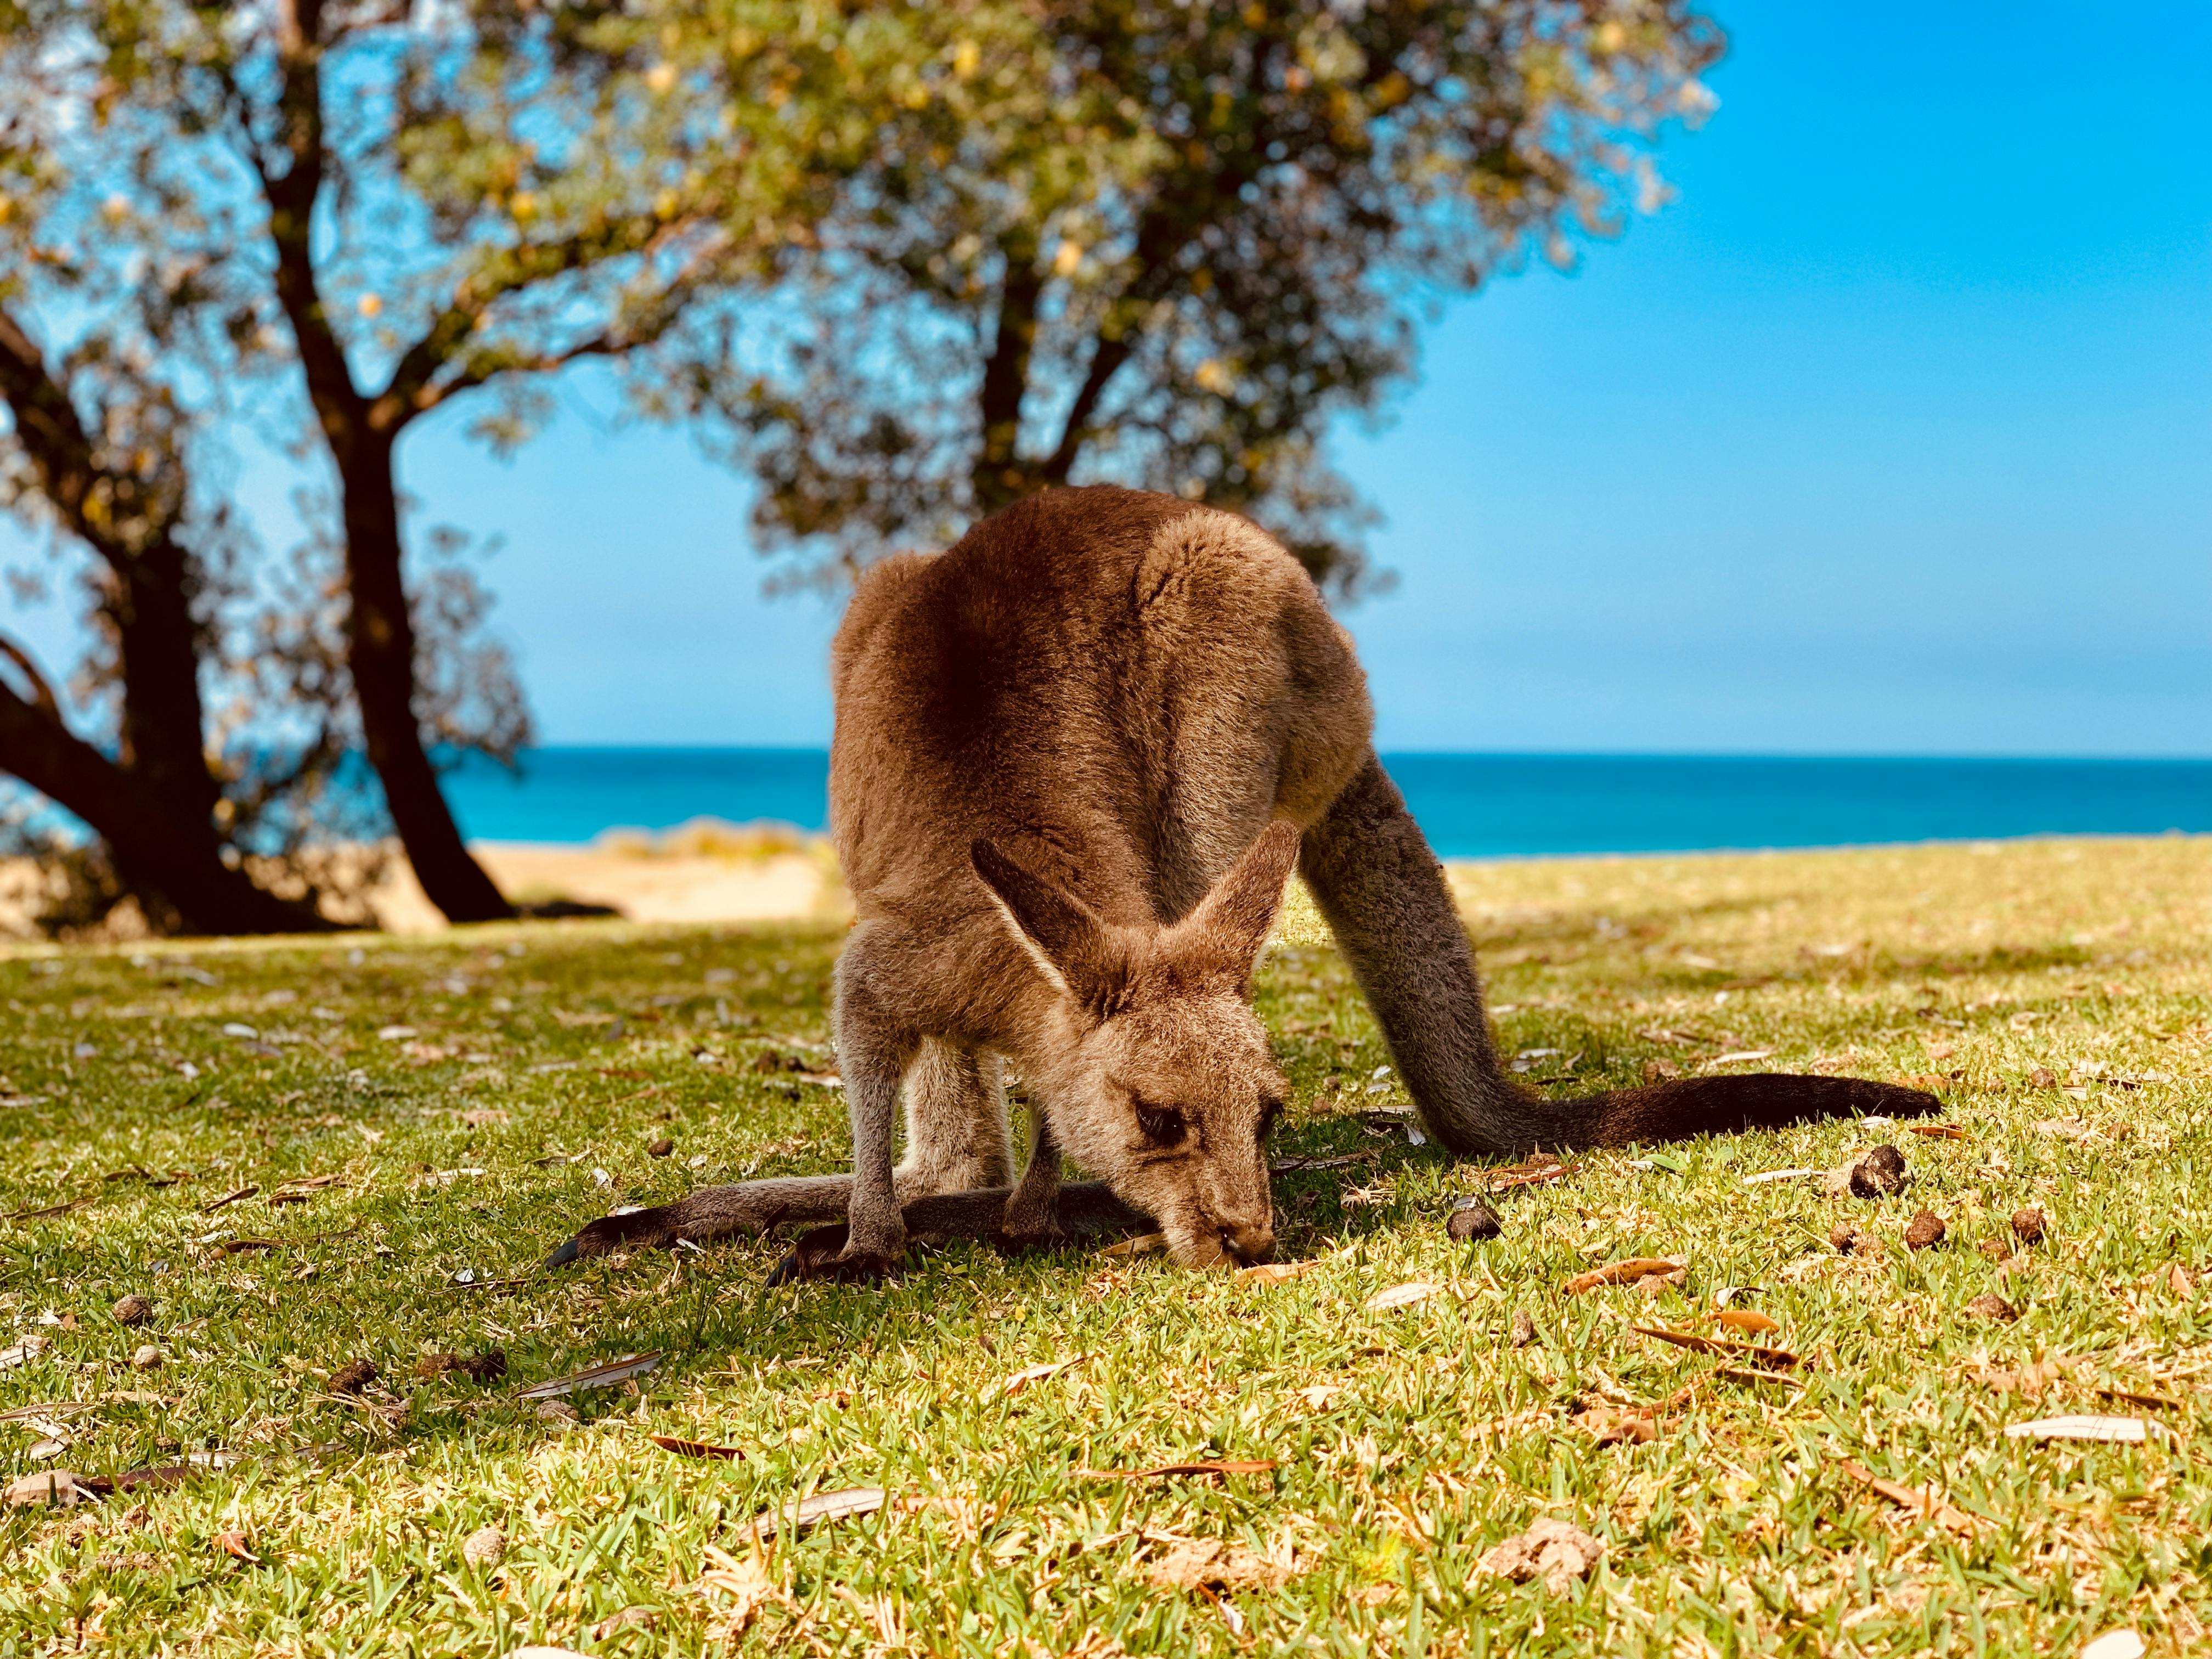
(1384, 894)
(1083, 1209)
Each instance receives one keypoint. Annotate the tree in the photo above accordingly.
(358, 214)
(1167, 242)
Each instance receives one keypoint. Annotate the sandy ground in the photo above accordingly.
(644, 885)
(650, 887)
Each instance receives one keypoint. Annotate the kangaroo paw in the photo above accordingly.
(647, 1228)
(826, 1254)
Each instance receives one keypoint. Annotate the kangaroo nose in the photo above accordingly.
(1249, 1242)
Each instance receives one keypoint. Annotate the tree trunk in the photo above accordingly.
(179, 859)
(380, 652)
(147, 597)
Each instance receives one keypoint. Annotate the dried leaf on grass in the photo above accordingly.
(1537, 1171)
(683, 1448)
(1670, 1269)
(210, 1208)
(820, 1506)
(610, 1375)
(1143, 1244)
(60, 1488)
(1028, 1374)
(2131, 1430)
(1755, 1352)
(1744, 1319)
(1938, 1131)
(1925, 1502)
(1401, 1296)
(233, 1544)
(1278, 1272)
(1553, 1551)
(1211, 1468)
(2028, 1381)
(2157, 1401)
(1614, 1426)
(1210, 1564)
(2114, 1644)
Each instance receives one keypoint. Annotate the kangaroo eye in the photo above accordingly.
(1161, 1125)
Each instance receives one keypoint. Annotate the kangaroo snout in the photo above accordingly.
(1248, 1243)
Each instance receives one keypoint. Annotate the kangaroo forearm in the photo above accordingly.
(1083, 1209)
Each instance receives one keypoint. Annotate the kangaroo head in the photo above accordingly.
(1155, 1069)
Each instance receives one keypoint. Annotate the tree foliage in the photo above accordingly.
(322, 223)
(1167, 242)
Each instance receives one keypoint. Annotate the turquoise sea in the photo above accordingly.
(1470, 805)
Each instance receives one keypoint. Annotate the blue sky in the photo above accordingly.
(1893, 434)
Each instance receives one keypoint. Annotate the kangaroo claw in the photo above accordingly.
(822, 1254)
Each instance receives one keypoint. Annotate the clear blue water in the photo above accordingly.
(1470, 805)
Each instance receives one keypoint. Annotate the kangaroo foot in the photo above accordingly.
(646, 1228)
(824, 1254)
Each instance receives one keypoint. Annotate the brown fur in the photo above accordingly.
(1076, 757)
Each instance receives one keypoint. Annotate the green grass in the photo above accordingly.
(1407, 1442)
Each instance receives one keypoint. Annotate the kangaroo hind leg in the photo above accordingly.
(956, 1123)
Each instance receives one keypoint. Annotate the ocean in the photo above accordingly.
(1471, 806)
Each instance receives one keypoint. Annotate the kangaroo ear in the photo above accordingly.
(1229, 929)
(1063, 935)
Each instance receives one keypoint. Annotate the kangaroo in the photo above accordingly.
(1076, 758)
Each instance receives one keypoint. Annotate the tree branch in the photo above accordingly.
(42, 694)
(60, 449)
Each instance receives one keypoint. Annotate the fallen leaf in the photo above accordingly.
(1401, 1296)
(1614, 1426)
(21, 1352)
(2066, 1128)
(1929, 1506)
(1278, 1272)
(1715, 1345)
(1021, 1379)
(2158, 1401)
(1551, 1550)
(2114, 1644)
(2130, 1429)
(2178, 1280)
(695, 1448)
(1937, 1130)
(1211, 1468)
(61, 1488)
(614, 1372)
(1765, 1175)
(228, 1198)
(821, 1506)
(234, 1544)
(1741, 1055)
(1143, 1244)
(1536, 1171)
(2028, 1380)
(1622, 1273)
(1744, 1319)
(1207, 1564)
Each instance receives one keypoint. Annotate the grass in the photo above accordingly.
(2041, 980)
